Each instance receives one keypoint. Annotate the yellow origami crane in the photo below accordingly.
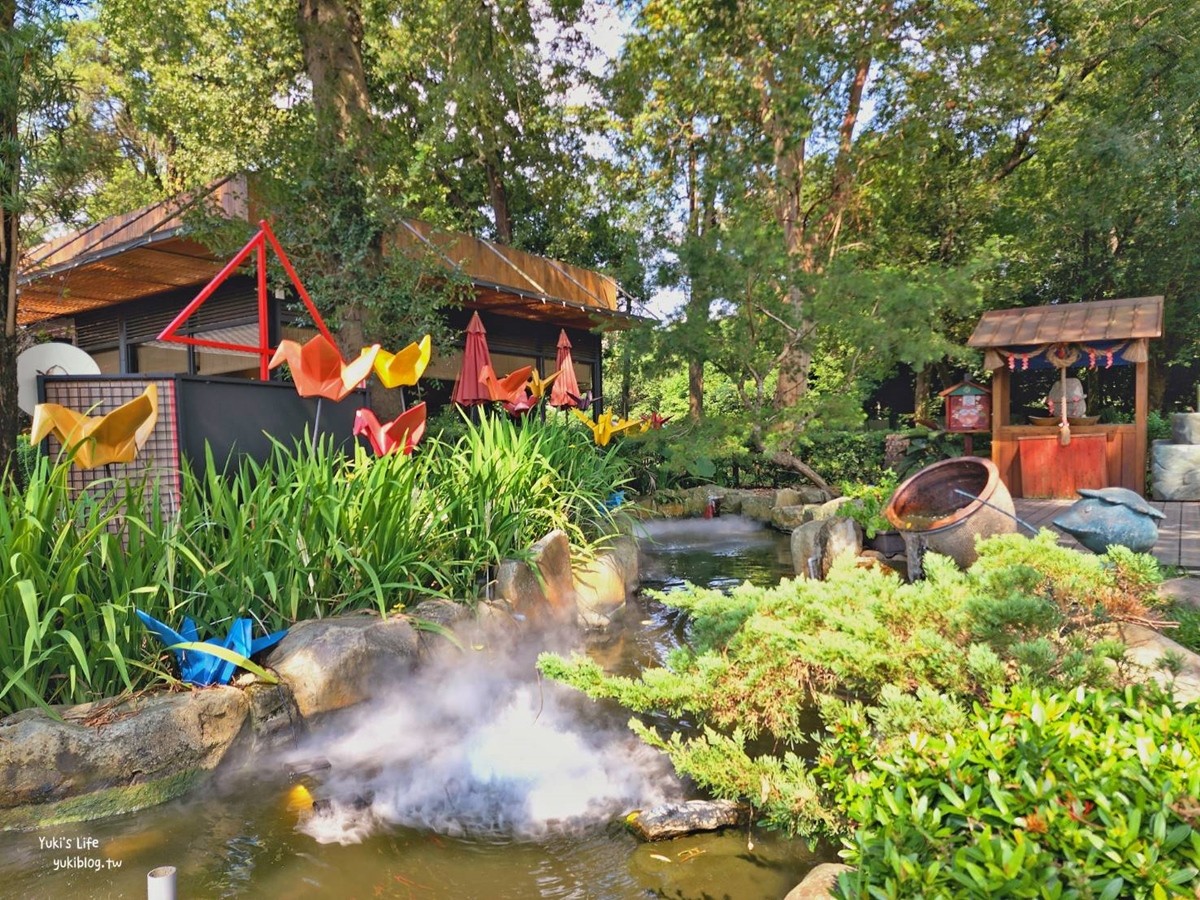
(538, 385)
(99, 440)
(603, 430)
(406, 366)
(318, 369)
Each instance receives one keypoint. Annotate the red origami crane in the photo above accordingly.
(318, 369)
(508, 388)
(655, 421)
(401, 434)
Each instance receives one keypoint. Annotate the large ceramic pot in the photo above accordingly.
(946, 506)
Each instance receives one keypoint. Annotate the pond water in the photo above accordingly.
(473, 780)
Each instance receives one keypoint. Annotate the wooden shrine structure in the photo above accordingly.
(1040, 460)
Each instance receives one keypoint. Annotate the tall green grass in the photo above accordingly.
(304, 534)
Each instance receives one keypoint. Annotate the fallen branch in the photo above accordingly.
(786, 460)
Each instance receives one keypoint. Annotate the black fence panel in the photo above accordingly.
(236, 417)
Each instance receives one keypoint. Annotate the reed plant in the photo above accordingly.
(307, 532)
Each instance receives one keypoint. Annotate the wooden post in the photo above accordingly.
(1141, 409)
(1000, 401)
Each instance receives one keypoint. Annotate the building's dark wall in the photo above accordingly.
(123, 337)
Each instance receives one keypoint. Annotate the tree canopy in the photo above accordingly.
(831, 189)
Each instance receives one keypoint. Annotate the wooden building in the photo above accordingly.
(113, 287)
(1033, 458)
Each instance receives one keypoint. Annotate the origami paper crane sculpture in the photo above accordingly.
(603, 430)
(318, 369)
(655, 421)
(538, 385)
(405, 367)
(402, 434)
(99, 440)
(523, 403)
(505, 389)
(198, 667)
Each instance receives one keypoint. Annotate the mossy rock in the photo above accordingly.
(100, 804)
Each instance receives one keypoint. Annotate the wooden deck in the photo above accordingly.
(1178, 534)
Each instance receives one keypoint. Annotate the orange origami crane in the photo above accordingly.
(99, 440)
(606, 427)
(401, 434)
(507, 388)
(318, 370)
(404, 367)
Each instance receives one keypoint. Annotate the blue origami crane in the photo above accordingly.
(198, 667)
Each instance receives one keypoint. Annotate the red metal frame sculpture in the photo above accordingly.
(257, 245)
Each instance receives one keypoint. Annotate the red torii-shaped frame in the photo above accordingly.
(257, 245)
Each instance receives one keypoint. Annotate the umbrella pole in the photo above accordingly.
(317, 420)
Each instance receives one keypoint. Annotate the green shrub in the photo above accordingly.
(1088, 794)
(869, 502)
(845, 456)
(863, 645)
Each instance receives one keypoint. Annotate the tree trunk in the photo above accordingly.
(331, 34)
(921, 394)
(498, 198)
(10, 181)
(696, 390)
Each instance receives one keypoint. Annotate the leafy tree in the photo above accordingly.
(35, 99)
(799, 158)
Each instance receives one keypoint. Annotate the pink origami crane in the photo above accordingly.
(521, 404)
(402, 434)
(508, 388)
(318, 369)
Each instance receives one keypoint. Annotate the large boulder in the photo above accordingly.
(1184, 590)
(541, 587)
(1149, 649)
(1185, 428)
(1176, 471)
(106, 758)
(673, 820)
(816, 544)
(831, 508)
(800, 495)
(275, 722)
(819, 884)
(758, 506)
(603, 583)
(789, 518)
(329, 664)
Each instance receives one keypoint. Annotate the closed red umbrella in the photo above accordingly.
(469, 390)
(565, 391)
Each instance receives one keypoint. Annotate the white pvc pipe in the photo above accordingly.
(160, 883)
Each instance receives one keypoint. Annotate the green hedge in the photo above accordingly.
(1087, 794)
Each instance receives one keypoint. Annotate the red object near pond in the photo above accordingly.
(566, 386)
(469, 390)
